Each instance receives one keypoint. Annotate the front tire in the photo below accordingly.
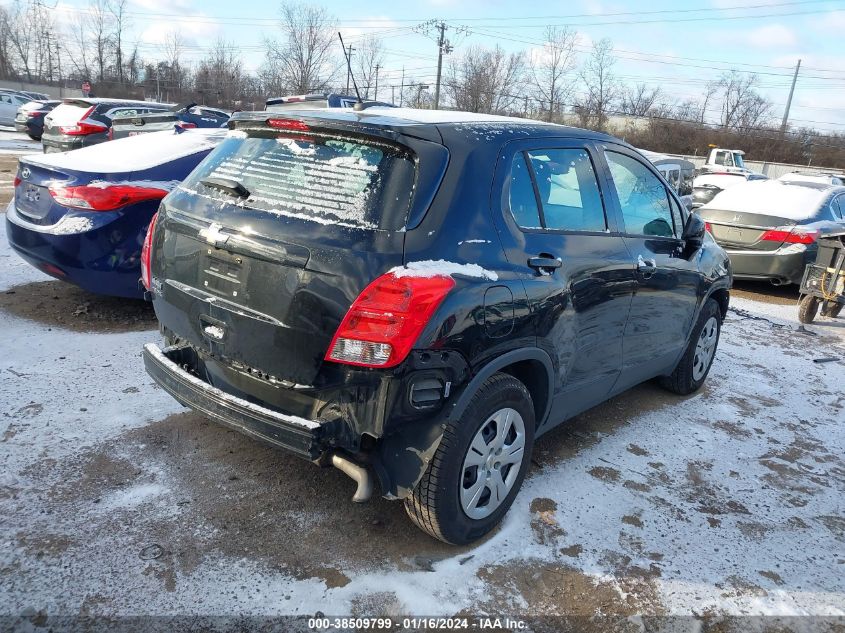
(807, 308)
(479, 466)
(692, 370)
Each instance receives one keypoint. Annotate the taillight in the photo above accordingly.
(288, 124)
(708, 228)
(794, 236)
(185, 125)
(146, 260)
(82, 129)
(386, 319)
(111, 133)
(103, 198)
(36, 114)
(17, 181)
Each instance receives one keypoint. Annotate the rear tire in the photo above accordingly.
(807, 308)
(692, 370)
(479, 466)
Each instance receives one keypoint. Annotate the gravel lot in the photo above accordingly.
(116, 501)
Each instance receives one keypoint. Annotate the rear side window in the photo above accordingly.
(523, 202)
(642, 197)
(325, 180)
(569, 192)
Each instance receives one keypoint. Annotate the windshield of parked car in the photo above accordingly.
(325, 180)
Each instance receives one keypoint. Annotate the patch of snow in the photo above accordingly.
(236, 134)
(431, 268)
(134, 153)
(70, 224)
(214, 332)
(474, 242)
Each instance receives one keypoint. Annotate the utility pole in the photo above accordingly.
(393, 94)
(49, 56)
(443, 46)
(348, 66)
(375, 91)
(789, 100)
(59, 63)
(402, 87)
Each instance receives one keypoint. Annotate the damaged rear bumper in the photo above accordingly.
(297, 435)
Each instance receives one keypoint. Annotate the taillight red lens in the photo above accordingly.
(146, 260)
(386, 319)
(82, 129)
(186, 125)
(111, 133)
(790, 237)
(17, 181)
(707, 227)
(288, 124)
(103, 198)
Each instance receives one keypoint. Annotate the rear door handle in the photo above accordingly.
(646, 266)
(544, 262)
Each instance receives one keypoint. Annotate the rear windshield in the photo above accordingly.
(313, 104)
(326, 180)
(68, 113)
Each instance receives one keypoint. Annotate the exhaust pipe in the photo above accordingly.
(359, 474)
(777, 282)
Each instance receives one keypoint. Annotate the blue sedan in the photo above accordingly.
(82, 216)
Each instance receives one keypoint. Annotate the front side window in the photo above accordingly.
(643, 199)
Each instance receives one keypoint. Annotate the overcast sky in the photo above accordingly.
(678, 45)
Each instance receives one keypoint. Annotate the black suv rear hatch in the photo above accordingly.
(261, 251)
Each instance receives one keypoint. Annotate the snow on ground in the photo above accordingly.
(726, 502)
(12, 142)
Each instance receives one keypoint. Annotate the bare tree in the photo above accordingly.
(304, 57)
(416, 94)
(120, 20)
(368, 58)
(742, 106)
(486, 80)
(602, 88)
(28, 43)
(99, 24)
(639, 100)
(551, 67)
(7, 68)
(220, 78)
(710, 90)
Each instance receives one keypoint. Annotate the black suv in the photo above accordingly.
(414, 296)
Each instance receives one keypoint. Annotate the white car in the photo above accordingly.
(823, 178)
(9, 104)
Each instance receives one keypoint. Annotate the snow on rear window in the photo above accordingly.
(67, 114)
(325, 180)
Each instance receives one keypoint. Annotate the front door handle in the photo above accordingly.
(646, 266)
(544, 262)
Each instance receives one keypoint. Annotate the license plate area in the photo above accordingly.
(225, 274)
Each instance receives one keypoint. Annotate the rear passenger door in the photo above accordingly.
(575, 267)
(667, 282)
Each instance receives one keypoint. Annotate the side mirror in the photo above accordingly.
(694, 232)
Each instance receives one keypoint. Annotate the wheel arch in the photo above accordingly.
(401, 458)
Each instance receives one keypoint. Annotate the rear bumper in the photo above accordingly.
(294, 434)
(104, 258)
(783, 265)
(53, 143)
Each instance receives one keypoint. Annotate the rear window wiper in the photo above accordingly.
(232, 187)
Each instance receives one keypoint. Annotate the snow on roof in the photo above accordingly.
(441, 116)
(134, 153)
(795, 201)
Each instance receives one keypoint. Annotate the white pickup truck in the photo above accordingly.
(726, 161)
